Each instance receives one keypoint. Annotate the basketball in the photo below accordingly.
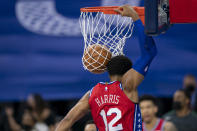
(96, 57)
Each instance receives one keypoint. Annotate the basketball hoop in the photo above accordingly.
(102, 25)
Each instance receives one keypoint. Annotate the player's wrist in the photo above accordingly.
(135, 17)
(138, 24)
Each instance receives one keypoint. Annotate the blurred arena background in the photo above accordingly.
(41, 49)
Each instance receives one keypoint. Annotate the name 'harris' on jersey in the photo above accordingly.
(112, 110)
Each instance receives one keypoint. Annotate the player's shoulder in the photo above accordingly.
(161, 120)
(194, 115)
(131, 79)
(98, 84)
(97, 87)
(170, 113)
(169, 126)
(103, 85)
(109, 84)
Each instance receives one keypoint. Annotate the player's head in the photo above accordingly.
(90, 126)
(148, 106)
(36, 102)
(189, 82)
(181, 99)
(118, 65)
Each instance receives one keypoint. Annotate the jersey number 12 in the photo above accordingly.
(110, 127)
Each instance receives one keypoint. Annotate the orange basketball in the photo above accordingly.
(96, 57)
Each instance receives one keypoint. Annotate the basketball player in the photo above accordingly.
(151, 122)
(114, 105)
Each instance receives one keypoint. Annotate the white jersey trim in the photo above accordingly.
(153, 129)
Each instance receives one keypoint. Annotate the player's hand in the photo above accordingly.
(127, 10)
(9, 111)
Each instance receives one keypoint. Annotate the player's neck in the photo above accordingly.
(115, 78)
(149, 126)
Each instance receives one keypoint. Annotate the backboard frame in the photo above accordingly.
(152, 18)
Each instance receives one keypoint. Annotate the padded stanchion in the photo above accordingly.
(183, 11)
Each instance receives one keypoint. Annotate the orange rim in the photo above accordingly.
(110, 10)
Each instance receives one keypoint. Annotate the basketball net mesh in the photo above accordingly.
(106, 30)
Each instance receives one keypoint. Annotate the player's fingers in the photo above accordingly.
(119, 10)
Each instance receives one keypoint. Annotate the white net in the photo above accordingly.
(107, 30)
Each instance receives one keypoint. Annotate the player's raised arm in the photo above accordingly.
(147, 48)
(135, 76)
(77, 112)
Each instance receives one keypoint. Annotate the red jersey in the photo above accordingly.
(112, 110)
(159, 126)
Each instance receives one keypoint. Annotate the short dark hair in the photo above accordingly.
(190, 76)
(148, 98)
(40, 103)
(89, 122)
(119, 65)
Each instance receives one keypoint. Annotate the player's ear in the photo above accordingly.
(187, 101)
(155, 108)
